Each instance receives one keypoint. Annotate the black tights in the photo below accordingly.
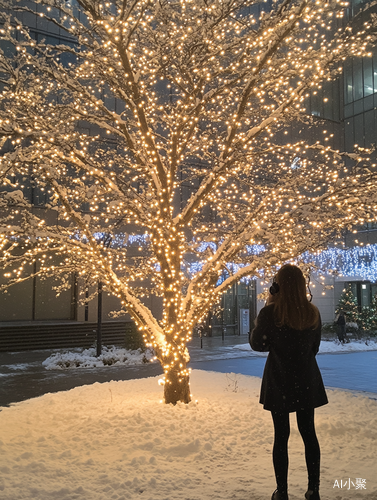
(305, 422)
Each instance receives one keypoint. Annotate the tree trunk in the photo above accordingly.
(177, 386)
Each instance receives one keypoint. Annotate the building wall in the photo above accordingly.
(350, 107)
(35, 300)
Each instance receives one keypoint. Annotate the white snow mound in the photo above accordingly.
(111, 356)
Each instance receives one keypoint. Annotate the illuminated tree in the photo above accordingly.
(368, 316)
(348, 304)
(149, 100)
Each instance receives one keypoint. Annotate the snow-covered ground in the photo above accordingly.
(117, 441)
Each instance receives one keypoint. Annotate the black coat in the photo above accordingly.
(291, 378)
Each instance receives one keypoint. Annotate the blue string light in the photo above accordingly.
(358, 261)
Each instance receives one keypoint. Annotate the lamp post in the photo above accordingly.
(99, 319)
(106, 241)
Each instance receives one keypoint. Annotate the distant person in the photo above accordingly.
(341, 322)
(289, 327)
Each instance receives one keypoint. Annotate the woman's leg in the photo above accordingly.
(340, 333)
(344, 334)
(305, 422)
(280, 449)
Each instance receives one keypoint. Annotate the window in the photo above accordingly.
(348, 85)
(348, 135)
(368, 76)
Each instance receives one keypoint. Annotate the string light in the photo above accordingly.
(353, 262)
(156, 136)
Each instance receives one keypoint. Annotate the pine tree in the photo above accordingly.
(374, 314)
(368, 316)
(348, 304)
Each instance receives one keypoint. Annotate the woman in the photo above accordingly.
(289, 327)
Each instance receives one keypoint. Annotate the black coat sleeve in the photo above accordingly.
(317, 339)
(259, 337)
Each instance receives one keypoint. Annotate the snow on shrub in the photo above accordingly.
(111, 356)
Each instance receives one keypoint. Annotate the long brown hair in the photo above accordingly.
(291, 306)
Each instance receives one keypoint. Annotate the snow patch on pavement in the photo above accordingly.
(16, 367)
(326, 347)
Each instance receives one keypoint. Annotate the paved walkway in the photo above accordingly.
(352, 371)
(22, 375)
